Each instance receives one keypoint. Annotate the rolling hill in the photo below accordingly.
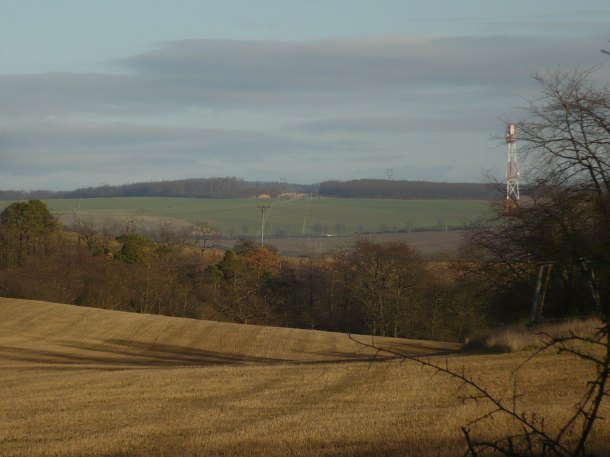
(286, 217)
(88, 382)
(56, 334)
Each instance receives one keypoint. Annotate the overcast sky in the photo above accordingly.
(112, 92)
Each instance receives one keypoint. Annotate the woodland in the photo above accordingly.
(232, 187)
(380, 288)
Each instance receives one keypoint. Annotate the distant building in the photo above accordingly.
(263, 196)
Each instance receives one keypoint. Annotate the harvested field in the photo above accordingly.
(430, 244)
(78, 381)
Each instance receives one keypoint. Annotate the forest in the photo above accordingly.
(231, 187)
(383, 188)
(384, 289)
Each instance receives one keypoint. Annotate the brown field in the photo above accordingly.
(429, 243)
(77, 381)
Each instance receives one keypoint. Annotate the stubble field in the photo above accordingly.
(77, 381)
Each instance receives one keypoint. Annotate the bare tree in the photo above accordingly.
(566, 137)
(565, 218)
(204, 235)
(387, 281)
(86, 228)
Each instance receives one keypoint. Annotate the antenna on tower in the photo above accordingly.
(512, 168)
(389, 172)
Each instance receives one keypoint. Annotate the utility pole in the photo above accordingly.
(263, 208)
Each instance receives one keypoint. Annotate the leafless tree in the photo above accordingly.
(566, 139)
(204, 235)
(565, 218)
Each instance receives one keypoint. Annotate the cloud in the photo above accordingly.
(258, 109)
(116, 153)
(258, 74)
(357, 64)
(36, 145)
(473, 121)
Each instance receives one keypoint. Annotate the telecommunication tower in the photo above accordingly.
(512, 168)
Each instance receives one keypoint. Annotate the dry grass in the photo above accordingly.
(79, 381)
(519, 338)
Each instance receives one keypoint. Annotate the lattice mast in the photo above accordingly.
(512, 168)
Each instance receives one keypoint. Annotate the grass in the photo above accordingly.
(77, 381)
(296, 227)
(298, 217)
(519, 338)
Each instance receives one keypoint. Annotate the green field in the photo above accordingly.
(296, 217)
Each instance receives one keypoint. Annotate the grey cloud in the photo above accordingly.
(59, 93)
(120, 152)
(331, 106)
(468, 122)
(90, 138)
(240, 74)
(369, 63)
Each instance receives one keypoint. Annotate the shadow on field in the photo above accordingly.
(391, 351)
(168, 354)
(424, 348)
(126, 354)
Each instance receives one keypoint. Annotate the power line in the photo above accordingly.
(263, 209)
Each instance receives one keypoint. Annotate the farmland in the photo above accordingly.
(296, 226)
(286, 217)
(79, 381)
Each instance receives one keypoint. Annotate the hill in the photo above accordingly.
(408, 190)
(52, 334)
(286, 217)
(89, 382)
(231, 187)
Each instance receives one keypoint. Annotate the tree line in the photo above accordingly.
(409, 190)
(216, 187)
(231, 187)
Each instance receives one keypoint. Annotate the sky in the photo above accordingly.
(113, 92)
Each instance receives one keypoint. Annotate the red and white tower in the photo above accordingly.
(512, 168)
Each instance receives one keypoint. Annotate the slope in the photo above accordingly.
(88, 382)
(51, 333)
